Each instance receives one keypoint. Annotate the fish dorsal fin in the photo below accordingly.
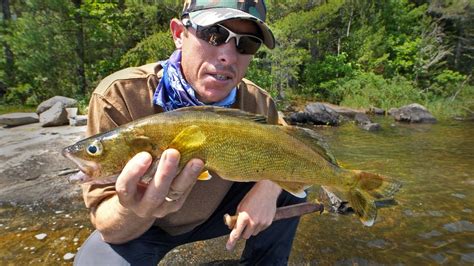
(188, 140)
(295, 188)
(226, 112)
(312, 140)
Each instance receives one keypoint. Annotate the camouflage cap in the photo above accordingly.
(209, 12)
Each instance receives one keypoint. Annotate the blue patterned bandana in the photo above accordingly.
(174, 92)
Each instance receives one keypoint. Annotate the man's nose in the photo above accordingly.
(227, 52)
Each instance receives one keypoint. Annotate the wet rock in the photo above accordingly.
(469, 257)
(18, 119)
(54, 116)
(459, 227)
(370, 126)
(376, 111)
(378, 243)
(67, 103)
(431, 234)
(298, 118)
(438, 258)
(69, 256)
(322, 114)
(41, 236)
(363, 121)
(412, 113)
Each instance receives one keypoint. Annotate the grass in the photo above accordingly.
(5, 109)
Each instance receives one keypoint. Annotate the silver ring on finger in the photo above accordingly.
(173, 195)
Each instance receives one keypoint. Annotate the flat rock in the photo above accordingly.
(18, 119)
(67, 102)
(54, 116)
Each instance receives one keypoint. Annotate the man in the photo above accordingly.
(215, 41)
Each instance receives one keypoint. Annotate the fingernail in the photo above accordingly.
(142, 156)
(197, 167)
(171, 159)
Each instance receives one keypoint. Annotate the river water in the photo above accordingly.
(433, 222)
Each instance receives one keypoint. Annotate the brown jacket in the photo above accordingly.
(127, 95)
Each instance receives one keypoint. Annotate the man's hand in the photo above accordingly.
(152, 201)
(133, 210)
(256, 212)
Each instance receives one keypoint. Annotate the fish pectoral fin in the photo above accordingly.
(204, 176)
(142, 143)
(294, 188)
(190, 139)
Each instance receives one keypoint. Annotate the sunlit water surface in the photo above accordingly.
(433, 222)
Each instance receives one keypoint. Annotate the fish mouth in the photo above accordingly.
(88, 169)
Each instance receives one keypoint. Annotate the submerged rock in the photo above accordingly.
(363, 121)
(18, 119)
(41, 236)
(412, 113)
(68, 256)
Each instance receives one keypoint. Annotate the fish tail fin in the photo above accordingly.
(366, 188)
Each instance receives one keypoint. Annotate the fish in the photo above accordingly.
(237, 146)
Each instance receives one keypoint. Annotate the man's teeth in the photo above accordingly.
(220, 77)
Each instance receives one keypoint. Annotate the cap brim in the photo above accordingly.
(208, 17)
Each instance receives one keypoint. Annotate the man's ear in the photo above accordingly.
(177, 30)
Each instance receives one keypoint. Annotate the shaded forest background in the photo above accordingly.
(351, 52)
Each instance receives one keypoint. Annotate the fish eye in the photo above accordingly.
(95, 148)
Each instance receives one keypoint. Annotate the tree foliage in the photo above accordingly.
(371, 52)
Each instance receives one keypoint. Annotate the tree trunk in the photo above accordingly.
(9, 57)
(80, 70)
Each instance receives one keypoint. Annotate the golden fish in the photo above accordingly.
(237, 146)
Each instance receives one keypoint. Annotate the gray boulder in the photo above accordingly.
(54, 116)
(321, 114)
(18, 119)
(412, 113)
(67, 102)
(363, 121)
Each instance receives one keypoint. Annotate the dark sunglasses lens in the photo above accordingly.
(217, 35)
(248, 45)
(214, 35)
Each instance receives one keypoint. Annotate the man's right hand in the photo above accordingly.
(134, 209)
(152, 201)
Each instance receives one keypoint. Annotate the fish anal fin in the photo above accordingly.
(294, 188)
(363, 205)
(204, 176)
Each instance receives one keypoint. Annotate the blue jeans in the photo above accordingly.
(270, 247)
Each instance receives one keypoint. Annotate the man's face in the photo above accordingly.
(214, 70)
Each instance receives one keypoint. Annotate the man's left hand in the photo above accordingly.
(256, 212)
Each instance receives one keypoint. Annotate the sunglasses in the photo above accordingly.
(217, 35)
